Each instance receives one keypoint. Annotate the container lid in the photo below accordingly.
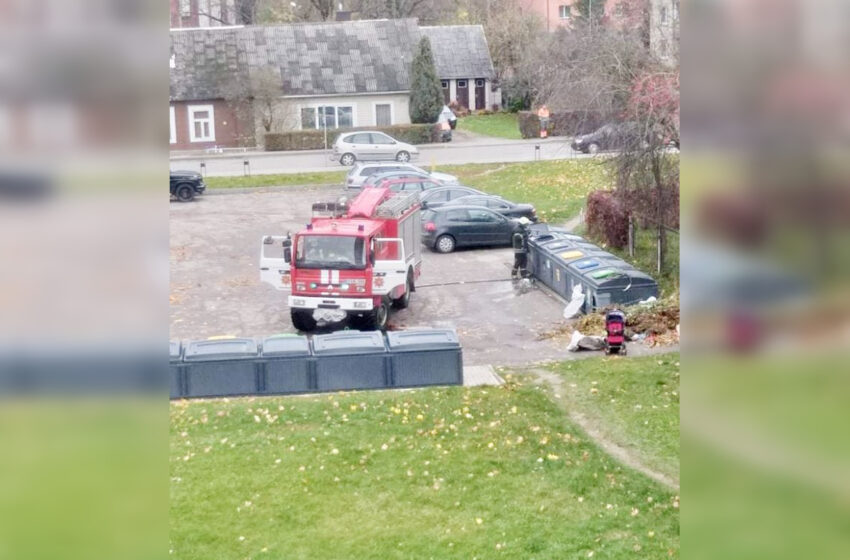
(586, 264)
(422, 339)
(348, 342)
(228, 349)
(176, 350)
(284, 345)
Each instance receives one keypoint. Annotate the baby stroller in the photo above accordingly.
(615, 326)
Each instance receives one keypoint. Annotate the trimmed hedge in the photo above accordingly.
(315, 139)
(561, 124)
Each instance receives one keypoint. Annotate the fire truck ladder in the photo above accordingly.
(396, 206)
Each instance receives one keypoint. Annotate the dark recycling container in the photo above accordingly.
(350, 360)
(425, 357)
(288, 365)
(175, 369)
(216, 368)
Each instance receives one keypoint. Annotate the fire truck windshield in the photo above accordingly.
(330, 251)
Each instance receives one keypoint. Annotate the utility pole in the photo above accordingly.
(590, 15)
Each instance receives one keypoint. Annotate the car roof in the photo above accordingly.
(448, 208)
(456, 187)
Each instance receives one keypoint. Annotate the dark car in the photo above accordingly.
(186, 184)
(434, 198)
(498, 204)
(448, 227)
(608, 137)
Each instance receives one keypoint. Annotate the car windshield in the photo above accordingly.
(330, 252)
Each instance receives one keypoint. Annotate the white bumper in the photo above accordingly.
(344, 304)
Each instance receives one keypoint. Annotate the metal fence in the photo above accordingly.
(340, 361)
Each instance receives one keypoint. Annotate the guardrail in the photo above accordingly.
(291, 364)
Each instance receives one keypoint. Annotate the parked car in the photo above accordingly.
(504, 207)
(186, 184)
(371, 146)
(363, 170)
(407, 184)
(434, 198)
(608, 137)
(449, 227)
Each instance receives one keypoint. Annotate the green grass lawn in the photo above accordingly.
(645, 259)
(431, 473)
(634, 401)
(280, 179)
(558, 189)
(501, 125)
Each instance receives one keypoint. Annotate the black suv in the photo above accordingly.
(186, 184)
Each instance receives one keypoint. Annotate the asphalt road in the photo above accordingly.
(477, 151)
(215, 287)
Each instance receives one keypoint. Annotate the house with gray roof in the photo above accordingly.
(314, 75)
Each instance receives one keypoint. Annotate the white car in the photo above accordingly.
(371, 146)
(363, 170)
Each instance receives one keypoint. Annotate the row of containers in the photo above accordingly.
(561, 260)
(291, 364)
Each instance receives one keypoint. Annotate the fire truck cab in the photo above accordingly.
(352, 262)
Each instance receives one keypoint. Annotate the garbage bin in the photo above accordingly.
(348, 360)
(175, 369)
(218, 368)
(425, 357)
(288, 365)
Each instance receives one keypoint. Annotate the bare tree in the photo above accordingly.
(259, 100)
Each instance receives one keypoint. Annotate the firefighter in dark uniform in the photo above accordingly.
(520, 244)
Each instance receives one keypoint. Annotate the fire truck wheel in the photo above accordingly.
(380, 315)
(347, 159)
(404, 301)
(402, 157)
(302, 320)
(445, 244)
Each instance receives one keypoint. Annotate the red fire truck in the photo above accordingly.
(352, 262)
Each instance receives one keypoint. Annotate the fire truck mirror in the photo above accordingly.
(287, 254)
(287, 243)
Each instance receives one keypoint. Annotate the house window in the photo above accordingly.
(479, 83)
(444, 84)
(564, 11)
(172, 126)
(345, 117)
(461, 83)
(201, 123)
(308, 118)
(327, 117)
(383, 114)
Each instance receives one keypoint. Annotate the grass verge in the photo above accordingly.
(437, 473)
(500, 125)
(633, 401)
(277, 180)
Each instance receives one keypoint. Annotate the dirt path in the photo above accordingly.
(593, 431)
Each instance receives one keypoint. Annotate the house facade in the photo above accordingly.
(311, 76)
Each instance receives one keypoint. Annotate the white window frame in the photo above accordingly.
(172, 125)
(444, 84)
(564, 11)
(315, 107)
(375, 111)
(479, 80)
(191, 110)
(464, 86)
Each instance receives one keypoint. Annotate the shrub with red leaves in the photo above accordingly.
(607, 218)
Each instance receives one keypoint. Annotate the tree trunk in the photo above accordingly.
(662, 247)
(631, 236)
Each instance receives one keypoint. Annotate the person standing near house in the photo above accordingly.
(543, 115)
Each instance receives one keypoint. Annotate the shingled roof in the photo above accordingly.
(311, 58)
(460, 51)
(320, 58)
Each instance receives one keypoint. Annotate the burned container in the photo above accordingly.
(348, 360)
(175, 370)
(288, 365)
(561, 261)
(425, 357)
(219, 368)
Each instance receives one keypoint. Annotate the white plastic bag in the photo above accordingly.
(573, 346)
(576, 302)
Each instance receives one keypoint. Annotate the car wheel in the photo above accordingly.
(379, 316)
(445, 244)
(404, 301)
(185, 193)
(593, 149)
(402, 156)
(347, 159)
(302, 319)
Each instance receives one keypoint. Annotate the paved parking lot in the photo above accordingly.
(215, 286)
